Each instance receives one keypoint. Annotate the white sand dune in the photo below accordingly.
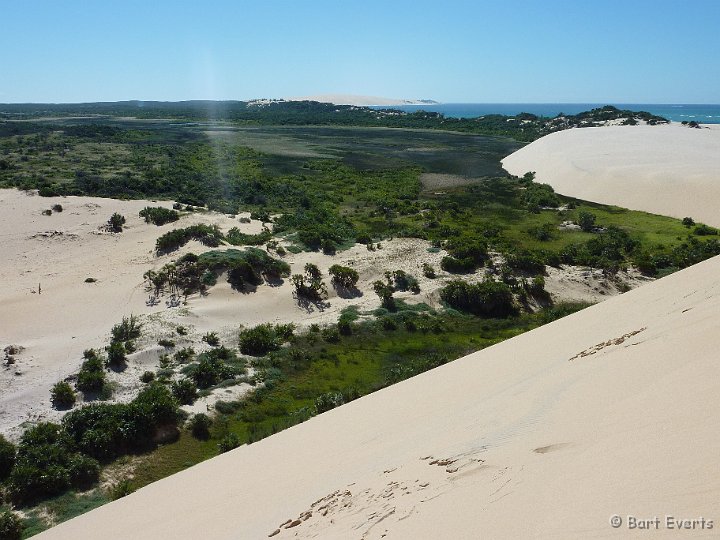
(358, 101)
(671, 169)
(613, 410)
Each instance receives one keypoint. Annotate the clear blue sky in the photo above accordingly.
(630, 51)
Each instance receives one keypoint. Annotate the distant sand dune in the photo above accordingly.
(671, 170)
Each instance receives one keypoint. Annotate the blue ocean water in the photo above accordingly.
(707, 114)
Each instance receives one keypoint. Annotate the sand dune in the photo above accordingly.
(612, 410)
(671, 170)
(359, 101)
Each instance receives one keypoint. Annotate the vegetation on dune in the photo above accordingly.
(159, 215)
(341, 186)
(192, 273)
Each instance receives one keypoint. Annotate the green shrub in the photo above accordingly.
(147, 377)
(586, 220)
(704, 230)
(260, 340)
(402, 281)
(237, 238)
(488, 298)
(327, 401)
(121, 489)
(11, 525)
(7, 457)
(212, 339)
(458, 266)
(200, 426)
(331, 334)
(229, 442)
(205, 234)
(159, 215)
(184, 355)
(84, 471)
(428, 271)
(185, 391)
(344, 327)
(181, 330)
(167, 343)
(212, 368)
(128, 329)
(91, 377)
(688, 221)
(62, 395)
(42, 463)
(116, 355)
(116, 222)
(385, 293)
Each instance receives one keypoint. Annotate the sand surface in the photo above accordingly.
(60, 251)
(358, 101)
(671, 169)
(613, 410)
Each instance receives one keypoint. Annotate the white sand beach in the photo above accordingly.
(671, 170)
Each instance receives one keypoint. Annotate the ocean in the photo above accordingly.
(706, 114)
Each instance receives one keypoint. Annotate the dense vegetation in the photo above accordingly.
(523, 126)
(320, 188)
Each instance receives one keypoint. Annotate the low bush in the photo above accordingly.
(91, 377)
(147, 377)
(7, 457)
(116, 222)
(11, 525)
(185, 391)
(212, 339)
(458, 266)
(128, 329)
(488, 298)
(704, 230)
(62, 395)
(159, 215)
(260, 340)
(116, 357)
(327, 401)
(229, 442)
(205, 234)
(200, 426)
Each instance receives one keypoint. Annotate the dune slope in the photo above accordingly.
(670, 170)
(613, 410)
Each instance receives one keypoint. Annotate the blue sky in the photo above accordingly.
(630, 51)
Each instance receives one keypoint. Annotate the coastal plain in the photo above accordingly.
(610, 411)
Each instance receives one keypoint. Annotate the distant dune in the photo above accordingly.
(671, 170)
(361, 101)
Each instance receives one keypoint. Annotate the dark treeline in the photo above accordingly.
(522, 127)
